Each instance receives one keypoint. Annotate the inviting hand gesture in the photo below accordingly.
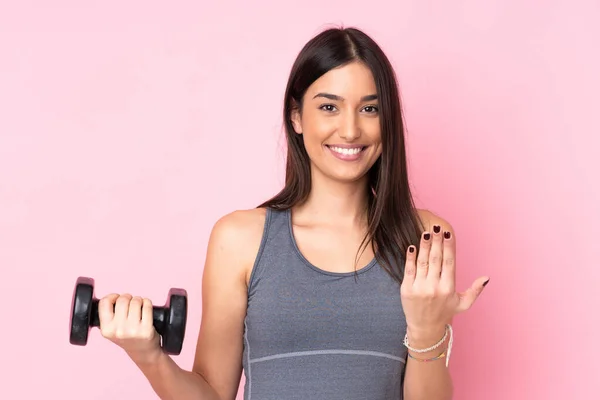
(428, 293)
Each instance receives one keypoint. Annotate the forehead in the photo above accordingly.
(352, 80)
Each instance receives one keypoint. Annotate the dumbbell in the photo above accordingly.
(169, 321)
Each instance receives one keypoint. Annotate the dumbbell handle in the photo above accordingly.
(159, 317)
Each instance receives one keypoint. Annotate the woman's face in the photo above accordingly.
(340, 123)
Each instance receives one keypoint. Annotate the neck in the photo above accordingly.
(338, 203)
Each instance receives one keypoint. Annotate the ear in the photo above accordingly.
(296, 120)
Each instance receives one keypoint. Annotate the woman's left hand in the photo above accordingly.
(428, 293)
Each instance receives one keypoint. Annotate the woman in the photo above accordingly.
(336, 288)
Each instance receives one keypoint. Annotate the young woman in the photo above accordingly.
(336, 288)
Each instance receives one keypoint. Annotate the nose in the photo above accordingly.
(349, 128)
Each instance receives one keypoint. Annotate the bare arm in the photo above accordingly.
(217, 368)
(234, 247)
(171, 382)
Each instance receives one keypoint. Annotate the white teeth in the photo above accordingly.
(345, 151)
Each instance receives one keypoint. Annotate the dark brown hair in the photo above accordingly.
(393, 221)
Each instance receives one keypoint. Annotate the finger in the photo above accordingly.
(410, 266)
(448, 275)
(135, 309)
(423, 257)
(122, 307)
(147, 314)
(106, 310)
(468, 297)
(435, 254)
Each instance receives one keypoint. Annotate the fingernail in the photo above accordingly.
(427, 236)
(436, 228)
(411, 249)
(486, 282)
(447, 235)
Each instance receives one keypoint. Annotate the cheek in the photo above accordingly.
(317, 130)
(379, 151)
(373, 132)
(370, 127)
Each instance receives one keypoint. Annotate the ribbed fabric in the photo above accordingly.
(317, 335)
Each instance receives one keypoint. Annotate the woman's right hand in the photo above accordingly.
(127, 321)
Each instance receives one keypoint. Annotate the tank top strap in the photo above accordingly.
(275, 242)
(276, 223)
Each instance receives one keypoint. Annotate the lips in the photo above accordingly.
(346, 152)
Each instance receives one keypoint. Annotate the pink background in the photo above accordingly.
(128, 128)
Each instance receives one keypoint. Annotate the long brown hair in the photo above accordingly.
(393, 222)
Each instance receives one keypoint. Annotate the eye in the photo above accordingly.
(327, 107)
(371, 109)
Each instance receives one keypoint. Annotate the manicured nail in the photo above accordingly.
(447, 235)
(436, 228)
(427, 236)
(486, 282)
(411, 249)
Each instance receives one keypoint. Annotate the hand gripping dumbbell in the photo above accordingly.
(169, 321)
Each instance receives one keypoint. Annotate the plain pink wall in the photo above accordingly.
(128, 128)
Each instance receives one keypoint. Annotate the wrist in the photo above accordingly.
(424, 344)
(425, 337)
(147, 359)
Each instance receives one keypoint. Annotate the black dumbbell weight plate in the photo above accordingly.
(81, 307)
(176, 317)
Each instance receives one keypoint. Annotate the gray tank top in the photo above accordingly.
(317, 335)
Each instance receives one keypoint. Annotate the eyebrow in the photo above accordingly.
(330, 96)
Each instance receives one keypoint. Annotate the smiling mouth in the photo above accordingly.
(346, 151)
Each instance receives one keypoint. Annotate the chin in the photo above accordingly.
(348, 177)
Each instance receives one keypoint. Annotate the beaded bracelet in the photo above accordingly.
(435, 346)
(442, 355)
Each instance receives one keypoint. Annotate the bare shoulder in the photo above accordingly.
(240, 225)
(429, 219)
(238, 235)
